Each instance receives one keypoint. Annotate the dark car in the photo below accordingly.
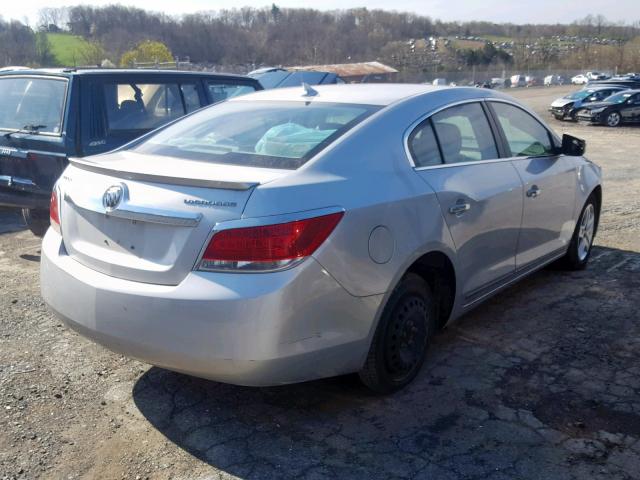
(627, 82)
(623, 107)
(280, 77)
(566, 107)
(48, 116)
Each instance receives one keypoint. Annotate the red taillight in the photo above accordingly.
(267, 247)
(54, 210)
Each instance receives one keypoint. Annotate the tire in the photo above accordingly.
(403, 334)
(37, 220)
(613, 119)
(579, 251)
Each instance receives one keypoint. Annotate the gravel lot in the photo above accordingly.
(542, 382)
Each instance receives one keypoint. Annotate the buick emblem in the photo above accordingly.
(113, 196)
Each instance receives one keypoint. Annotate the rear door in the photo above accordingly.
(480, 195)
(549, 184)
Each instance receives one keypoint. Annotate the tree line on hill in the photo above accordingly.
(276, 36)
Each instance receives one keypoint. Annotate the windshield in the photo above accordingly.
(34, 104)
(619, 97)
(262, 134)
(579, 95)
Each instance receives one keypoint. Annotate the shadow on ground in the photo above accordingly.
(529, 385)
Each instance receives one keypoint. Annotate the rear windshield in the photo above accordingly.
(261, 134)
(34, 104)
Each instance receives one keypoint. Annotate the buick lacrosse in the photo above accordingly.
(301, 233)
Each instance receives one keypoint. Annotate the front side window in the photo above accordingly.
(464, 134)
(219, 90)
(525, 135)
(33, 104)
(143, 106)
(258, 133)
(620, 97)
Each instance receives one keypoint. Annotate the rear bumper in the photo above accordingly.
(263, 329)
(11, 197)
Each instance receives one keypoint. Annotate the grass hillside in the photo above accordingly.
(67, 49)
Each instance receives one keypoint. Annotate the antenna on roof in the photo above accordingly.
(308, 90)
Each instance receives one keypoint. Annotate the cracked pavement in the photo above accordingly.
(541, 382)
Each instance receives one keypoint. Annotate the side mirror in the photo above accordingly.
(573, 146)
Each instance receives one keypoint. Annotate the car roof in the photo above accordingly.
(68, 72)
(381, 94)
(604, 87)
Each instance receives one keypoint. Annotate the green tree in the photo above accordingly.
(147, 51)
(44, 56)
(92, 53)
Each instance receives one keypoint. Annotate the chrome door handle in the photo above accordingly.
(534, 191)
(459, 208)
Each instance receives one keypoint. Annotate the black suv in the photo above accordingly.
(47, 116)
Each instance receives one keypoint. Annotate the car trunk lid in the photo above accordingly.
(159, 226)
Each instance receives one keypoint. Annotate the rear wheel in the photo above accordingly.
(405, 330)
(37, 220)
(579, 250)
(613, 119)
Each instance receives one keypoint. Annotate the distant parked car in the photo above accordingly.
(290, 235)
(623, 107)
(498, 82)
(566, 107)
(596, 76)
(280, 77)
(14, 68)
(552, 80)
(439, 82)
(518, 81)
(580, 79)
(48, 116)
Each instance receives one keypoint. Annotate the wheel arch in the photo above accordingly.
(436, 268)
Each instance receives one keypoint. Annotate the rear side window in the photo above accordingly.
(258, 133)
(31, 103)
(525, 135)
(464, 134)
(424, 146)
(145, 106)
(219, 90)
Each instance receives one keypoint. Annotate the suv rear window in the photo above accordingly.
(30, 103)
(220, 90)
(257, 133)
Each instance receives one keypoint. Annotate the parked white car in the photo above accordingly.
(580, 79)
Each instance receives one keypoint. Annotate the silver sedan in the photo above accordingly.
(301, 233)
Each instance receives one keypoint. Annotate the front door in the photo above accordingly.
(549, 181)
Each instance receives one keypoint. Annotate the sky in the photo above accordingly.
(515, 11)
